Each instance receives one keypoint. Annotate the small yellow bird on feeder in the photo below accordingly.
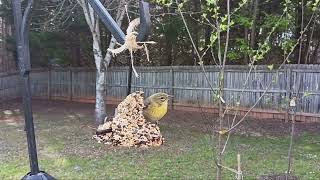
(156, 107)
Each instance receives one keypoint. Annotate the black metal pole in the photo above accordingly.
(22, 25)
(24, 66)
(129, 80)
(108, 21)
(32, 148)
(114, 28)
(145, 22)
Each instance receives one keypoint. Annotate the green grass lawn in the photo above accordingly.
(67, 151)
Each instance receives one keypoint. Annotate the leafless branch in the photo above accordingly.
(195, 48)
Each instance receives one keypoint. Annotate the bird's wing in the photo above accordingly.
(146, 103)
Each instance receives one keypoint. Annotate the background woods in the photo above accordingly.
(61, 37)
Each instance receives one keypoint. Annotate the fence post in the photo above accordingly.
(70, 84)
(288, 92)
(172, 86)
(49, 84)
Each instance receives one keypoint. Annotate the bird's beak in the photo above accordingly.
(170, 96)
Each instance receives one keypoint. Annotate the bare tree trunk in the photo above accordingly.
(208, 31)
(246, 57)
(297, 30)
(100, 107)
(293, 102)
(112, 44)
(315, 53)
(306, 50)
(195, 7)
(309, 43)
(221, 91)
(169, 42)
(93, 23)
(169, 49)
(221, 118)
(301, 29)
(219, 154)
(100, 110)
(254, 24)
(76, 51)
(100, 62)
(246, 36)
(291, 144)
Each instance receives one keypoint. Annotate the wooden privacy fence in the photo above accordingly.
(188, 85)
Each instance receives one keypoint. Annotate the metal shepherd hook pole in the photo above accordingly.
(22, 25)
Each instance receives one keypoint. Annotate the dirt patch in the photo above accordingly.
(12, 120)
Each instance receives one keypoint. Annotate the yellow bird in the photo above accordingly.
(156, 106)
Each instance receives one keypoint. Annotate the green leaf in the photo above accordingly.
(213, 37)
(270, 67)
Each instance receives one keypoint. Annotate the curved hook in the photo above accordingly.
(145, 22)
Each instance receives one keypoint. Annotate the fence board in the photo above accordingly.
(186, 83)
